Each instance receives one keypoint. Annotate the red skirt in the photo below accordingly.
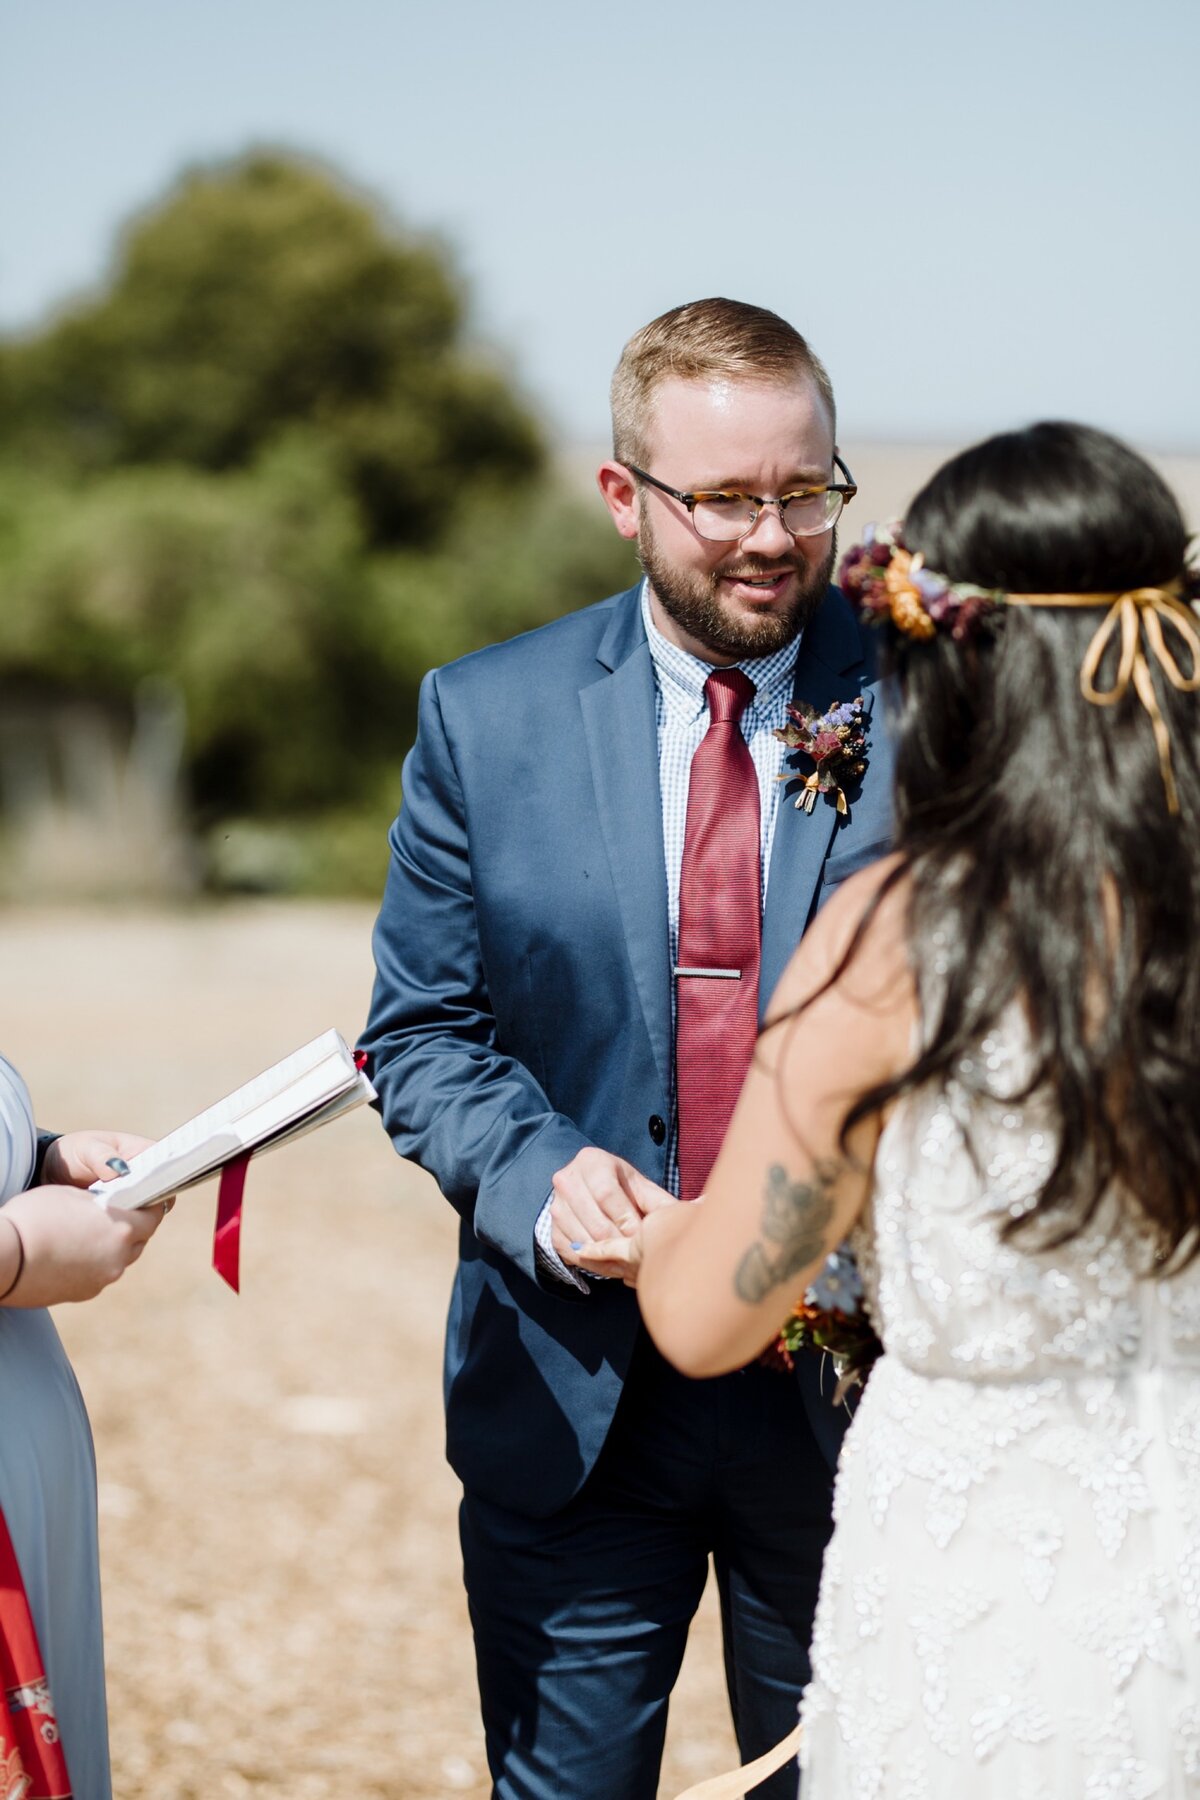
(32, 1764)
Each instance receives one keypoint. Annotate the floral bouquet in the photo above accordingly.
(831, 1318)
(835, 741)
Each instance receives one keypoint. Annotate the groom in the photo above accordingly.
(562, 1050)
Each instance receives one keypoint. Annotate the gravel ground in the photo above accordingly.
(283, 1608)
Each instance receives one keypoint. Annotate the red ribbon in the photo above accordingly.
(227, 1233)
(30, 1750)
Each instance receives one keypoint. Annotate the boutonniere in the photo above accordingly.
(835, 741)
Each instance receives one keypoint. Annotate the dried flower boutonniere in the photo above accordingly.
(836, 743)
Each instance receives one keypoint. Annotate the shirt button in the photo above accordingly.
(657, 1129)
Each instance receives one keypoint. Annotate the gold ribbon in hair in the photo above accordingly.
(1139, 614)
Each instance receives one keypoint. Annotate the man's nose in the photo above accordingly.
(768, 536)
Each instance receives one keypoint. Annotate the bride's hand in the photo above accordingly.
(620, 1257)
(595, 1191)
(616, 1258)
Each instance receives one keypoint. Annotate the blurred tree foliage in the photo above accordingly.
(266, 465)
(262, 295)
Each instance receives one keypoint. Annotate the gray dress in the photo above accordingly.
(48, 1491)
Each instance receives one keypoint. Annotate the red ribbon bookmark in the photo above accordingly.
(227, 1233)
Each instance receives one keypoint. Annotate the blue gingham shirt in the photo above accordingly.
(682, 718)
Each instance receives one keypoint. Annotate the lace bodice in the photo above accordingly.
(1010, 1605)
(951, 1296)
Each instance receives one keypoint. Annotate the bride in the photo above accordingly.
(984, 1063)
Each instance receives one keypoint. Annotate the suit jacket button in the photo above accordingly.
(658, 1128)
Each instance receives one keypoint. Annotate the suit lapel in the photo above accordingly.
(622, 742)
(828, 669)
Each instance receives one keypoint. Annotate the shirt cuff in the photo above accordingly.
(549, 1261)
(44, 1141)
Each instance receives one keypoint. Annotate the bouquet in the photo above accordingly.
(831, 1318)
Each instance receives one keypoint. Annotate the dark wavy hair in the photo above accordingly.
(1033, 825)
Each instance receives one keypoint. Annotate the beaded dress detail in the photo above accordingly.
(1010, 1604)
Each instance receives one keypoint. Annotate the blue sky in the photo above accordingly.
(978, 214)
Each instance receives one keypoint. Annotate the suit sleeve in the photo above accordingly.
(450, 1097)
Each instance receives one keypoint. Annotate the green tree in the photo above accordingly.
(265, 468)
(261, 294)
(239, 591)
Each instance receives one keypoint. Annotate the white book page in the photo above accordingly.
(332, 1109)
(290, 1091)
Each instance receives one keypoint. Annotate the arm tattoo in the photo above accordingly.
(796, 1217)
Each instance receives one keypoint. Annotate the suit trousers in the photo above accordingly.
(581, 1619)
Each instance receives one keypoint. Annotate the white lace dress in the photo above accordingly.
(1010, 1605)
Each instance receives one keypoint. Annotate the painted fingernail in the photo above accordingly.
(577, 1244)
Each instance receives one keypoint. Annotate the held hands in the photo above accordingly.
(600, 1201)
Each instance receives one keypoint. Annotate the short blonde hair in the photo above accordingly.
(704, 338)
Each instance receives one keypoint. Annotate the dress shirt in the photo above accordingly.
(681, 714)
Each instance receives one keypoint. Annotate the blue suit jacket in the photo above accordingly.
(522, 1006)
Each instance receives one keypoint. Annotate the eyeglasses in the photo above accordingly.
(723, 516)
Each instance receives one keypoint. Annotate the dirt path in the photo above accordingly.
(283, 1609)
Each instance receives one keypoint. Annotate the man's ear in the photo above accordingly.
(620, 494)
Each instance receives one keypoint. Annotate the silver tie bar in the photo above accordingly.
(713, 974)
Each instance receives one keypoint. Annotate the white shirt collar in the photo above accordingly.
(681, 676)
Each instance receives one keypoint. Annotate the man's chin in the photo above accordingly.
(757, 631)
(730, 627)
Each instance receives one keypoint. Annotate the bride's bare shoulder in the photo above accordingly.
(857, 946)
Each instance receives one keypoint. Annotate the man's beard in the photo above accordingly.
(693, 600)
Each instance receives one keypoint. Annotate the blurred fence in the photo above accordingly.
(92, 802)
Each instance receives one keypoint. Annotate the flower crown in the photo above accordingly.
(886, 581)
(889, 584)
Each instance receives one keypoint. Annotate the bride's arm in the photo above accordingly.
(717, 1280)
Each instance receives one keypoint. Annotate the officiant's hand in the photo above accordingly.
(81, 1157)
(599, 1197)
(56, 1244)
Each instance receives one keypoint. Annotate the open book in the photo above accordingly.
(315, 1084)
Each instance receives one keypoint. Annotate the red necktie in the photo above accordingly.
(720, 930)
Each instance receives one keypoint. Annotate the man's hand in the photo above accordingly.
(600, 1199)
(82, 1157)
